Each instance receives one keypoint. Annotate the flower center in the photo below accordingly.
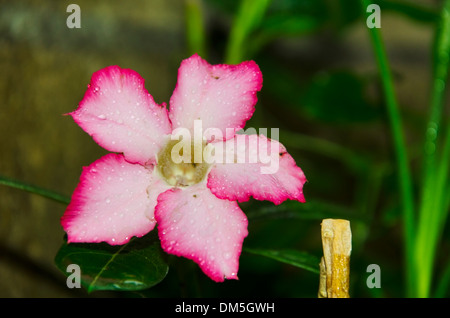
(181, 164)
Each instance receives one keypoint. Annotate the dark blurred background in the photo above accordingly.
(320, 88)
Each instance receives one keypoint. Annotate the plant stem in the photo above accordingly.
(34, 189)
(247, 19)
(433, 210)
(404, 174)
(444, 283)
(195, 29)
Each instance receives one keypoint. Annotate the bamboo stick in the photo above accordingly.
(335, 263)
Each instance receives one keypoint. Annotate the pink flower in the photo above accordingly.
(126, 193)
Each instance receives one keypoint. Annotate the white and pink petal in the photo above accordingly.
(221, 96)
(195, 224)
(255, 166)
(113, 202)
(121, 116)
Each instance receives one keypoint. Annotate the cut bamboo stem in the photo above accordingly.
(335, 263)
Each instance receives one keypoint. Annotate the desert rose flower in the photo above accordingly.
(140, 184)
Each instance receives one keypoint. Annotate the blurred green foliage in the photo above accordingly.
(332, 119)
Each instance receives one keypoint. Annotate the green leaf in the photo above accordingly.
(195, 28)
(311, 210)
(292, 257)
(34, 189)
(137, 265)
(247, 19)
(296, 17)
(443, 283)
(411, 10)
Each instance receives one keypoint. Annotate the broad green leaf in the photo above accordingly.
(292, 257)
(137, 265)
